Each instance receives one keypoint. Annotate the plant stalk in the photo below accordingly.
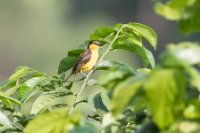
(92, 70)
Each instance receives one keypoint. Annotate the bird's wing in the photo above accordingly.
(84, 58)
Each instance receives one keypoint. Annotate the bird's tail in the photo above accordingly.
(70, 76)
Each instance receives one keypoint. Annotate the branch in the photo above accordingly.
(91, 71)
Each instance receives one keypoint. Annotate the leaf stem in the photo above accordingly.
(91, 71)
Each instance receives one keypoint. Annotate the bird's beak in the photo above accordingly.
(100, 44)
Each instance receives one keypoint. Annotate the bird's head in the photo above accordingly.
(94, 44)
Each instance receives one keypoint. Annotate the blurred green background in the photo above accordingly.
(38, 33)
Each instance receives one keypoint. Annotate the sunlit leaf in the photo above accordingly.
(165, 90)
(48, 99)
(182, 53)
(184, 11)
(20, 72)
(5, 97)
(148, 33)
(101, 33)
(57, 121)
(123, 94)
(5, 121)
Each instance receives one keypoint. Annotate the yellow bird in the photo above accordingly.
(87, 59)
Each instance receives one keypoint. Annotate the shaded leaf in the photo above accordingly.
(145, 54)
(107, 64)
(66, 64)
(99, 101)
(116, 71)
(75, 53)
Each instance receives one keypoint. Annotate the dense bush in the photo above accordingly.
(159, 97)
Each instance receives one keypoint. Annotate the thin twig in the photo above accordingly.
(82, 101)
(91, 71)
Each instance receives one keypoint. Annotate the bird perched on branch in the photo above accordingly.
(87, 59)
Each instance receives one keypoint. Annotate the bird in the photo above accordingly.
(87, 59)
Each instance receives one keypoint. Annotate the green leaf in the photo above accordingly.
(101, 33)
(92, 82)
(48, 99)
(148, 33)
(192, 111)
(107, 64)
(5, 121)
(28, 88)
(105, 99)
(90, 101)
(145, 54)
(186, 12)
(75, 53)
(66, 64)
(22, 91)
(181, 53)
(21, 72)
(123, 94)
(5, 84)
(84, 129)
(5, 97)
(114, 74)
(172, 10)
(57, 121)
(99, 101)
(165, 92)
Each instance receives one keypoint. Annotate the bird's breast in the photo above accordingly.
(93, 59)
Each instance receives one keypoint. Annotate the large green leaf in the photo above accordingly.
(148, 33)
(165, 91)
(66, 64)
(54, 122)
(145, 54)
(123, 94)
(48, 99)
